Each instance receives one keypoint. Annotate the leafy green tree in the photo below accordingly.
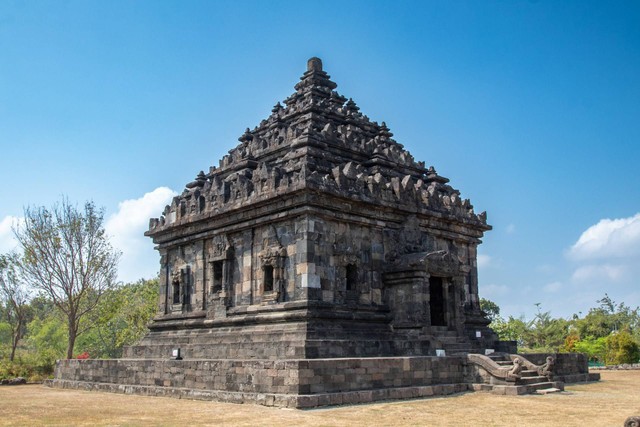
(570, 343)
(608, 317)
(15, 297)
(594, 348)
(41, 307)
(512, 329)
(68, 258)
(609, 333)
(121, 319)
(5, 339)
(490, 309)
(621, 348)
(46, 341)
(547, 333)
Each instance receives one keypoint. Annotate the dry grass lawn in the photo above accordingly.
(606, 403)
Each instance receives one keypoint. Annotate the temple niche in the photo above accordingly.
(319, 220)
(319, 264)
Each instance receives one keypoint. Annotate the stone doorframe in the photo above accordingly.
(219, 268)
(272, 262)
(407, 289)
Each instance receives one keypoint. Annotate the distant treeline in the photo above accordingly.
(609, 333)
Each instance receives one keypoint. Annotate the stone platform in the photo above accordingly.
(283, 383)
(318, 264)
(296, 383)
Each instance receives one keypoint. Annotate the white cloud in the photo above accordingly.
(126, 230)
(552, 287)
(606, 255)
(592, 272)
(609, 238)
(7, 240)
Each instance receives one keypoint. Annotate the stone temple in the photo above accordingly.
(319, 264)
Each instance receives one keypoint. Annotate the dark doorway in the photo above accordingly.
(436, 302)
(186, 286)
(176, 291)
(268, 278)
(352, 277)
(217, 276)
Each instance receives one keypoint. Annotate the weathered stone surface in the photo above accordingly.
(318, 264)
(319, 221)
(632, 422)
(298, 383)
(13, 381)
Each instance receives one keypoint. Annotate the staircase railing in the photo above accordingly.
(512, 373)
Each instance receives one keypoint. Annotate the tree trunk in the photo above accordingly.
(14, 344)
(72, 338)
(15, 338)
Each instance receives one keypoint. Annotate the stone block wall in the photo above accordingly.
(290, 383)
(296, 383)
(569, 367)
(340, 375)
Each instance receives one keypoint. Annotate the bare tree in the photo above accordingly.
(68, 257)
(15, 298)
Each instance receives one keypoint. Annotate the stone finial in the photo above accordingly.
(277, 108)
(384, 131)
(246, 136)
(351, 106)
(199, 181)
(314, 64)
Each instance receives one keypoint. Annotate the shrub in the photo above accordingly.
(594, 348)
(621, 348)
(33, 367)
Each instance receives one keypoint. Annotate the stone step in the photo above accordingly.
(517, 390)
(531, 380)
(548, 390)
(545, 385)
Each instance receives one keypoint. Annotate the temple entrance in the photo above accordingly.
(437, 301)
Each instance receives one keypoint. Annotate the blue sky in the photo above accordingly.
(531, 108)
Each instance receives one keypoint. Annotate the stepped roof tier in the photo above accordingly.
(318, 141)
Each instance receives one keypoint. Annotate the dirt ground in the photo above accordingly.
(605, 403)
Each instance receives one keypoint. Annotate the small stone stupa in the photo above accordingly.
(319, 264)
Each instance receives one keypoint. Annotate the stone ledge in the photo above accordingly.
(623, 367)
(297, 401)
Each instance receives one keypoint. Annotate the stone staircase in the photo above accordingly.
(498, 374)
(451, 342)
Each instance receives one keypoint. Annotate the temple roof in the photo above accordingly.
(321, 141)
